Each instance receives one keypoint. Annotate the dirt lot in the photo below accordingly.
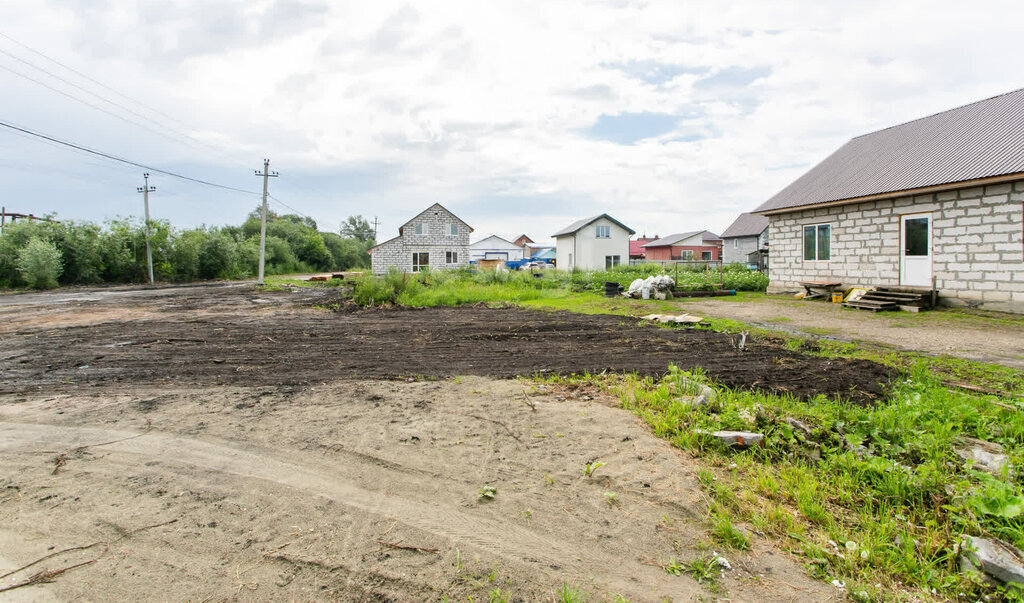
(976, 335)
(217, 443)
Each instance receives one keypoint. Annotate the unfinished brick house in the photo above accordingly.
(435, 239)
(938, 200)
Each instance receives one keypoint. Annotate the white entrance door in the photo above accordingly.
(916, 251)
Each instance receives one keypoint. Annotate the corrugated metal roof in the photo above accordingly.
(575, 226)
(979, 140)
(672, 239)
(747, 225)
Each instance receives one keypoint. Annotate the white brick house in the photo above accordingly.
(596, 243)
(936, 200)
(436, 239)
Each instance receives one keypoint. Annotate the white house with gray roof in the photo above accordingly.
(435, 239)
(938, 199)
(495, 248)
(596, 243)
(747, 235)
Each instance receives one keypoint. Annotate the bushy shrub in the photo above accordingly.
(217, 256)
(371, 290)
(39, 263)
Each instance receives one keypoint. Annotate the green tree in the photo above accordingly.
(217, 257)
(39, 264)
(356, 227)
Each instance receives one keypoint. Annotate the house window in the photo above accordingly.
(451, 257)
(817, 242)
(735, 243)
(705, 255)
(421, 228)
(604, 232)
(420, 261)
(453, 229)
(611, 261)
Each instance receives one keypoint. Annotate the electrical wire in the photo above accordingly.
(125, 161)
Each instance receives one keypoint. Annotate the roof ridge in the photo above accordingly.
(937, 113)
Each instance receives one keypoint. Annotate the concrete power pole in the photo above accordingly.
(145, 190)
(375, 222)
(267, 174)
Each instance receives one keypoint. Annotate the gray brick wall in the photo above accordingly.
(435, 239)
(731, 252)
(977, 247)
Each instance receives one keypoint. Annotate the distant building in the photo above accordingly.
(495, 248)
(697, 245)
(596, 243)
(746, 237)
(435, 239)
(636, 247)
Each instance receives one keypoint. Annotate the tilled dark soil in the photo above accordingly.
(237, 336)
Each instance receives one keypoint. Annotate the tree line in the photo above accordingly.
(48, 254)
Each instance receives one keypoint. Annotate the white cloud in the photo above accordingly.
(382, 108)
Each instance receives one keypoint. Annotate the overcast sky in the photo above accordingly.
(517, 116)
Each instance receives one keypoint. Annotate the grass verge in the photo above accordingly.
(875, 497)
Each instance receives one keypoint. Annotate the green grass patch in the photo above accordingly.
(874, 495)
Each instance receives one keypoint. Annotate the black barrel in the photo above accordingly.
(612, 289)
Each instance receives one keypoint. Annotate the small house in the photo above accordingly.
(698, 245)
(596, 243)
(435, 239)
(495, 248)
(746, 238)
(636, 247)
(934, 203)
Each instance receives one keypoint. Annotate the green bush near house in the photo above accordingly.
(39, 263)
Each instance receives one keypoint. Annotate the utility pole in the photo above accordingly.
(267, 174)
(145, 190)
(375, 222)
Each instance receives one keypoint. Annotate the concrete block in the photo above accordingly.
(976, 191)
(1007, 208)
(999, 189)
(997, 276)
(972, 221)
(946, 196)
(982, 286)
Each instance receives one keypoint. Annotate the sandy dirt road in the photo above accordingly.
(287, 495)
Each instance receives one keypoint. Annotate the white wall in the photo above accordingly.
(588, 251)
(478, 251)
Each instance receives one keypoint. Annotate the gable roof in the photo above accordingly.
(747, 225)
(577, 225)
(524, 238)
(673, 239)
(507, 242)
(435, 206)
(981, 140)
(636, 245)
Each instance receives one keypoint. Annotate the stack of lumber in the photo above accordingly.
(891, 298)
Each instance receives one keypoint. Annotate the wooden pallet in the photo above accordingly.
(886, 298)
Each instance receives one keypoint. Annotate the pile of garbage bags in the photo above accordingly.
(658, 287)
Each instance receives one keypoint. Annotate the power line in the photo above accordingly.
(125, 161)
(97, 82)
(85, 102)
(178, 133)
